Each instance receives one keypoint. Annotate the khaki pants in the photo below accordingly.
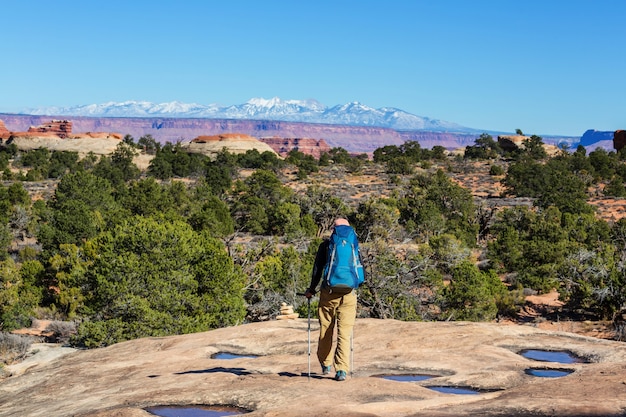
(340, 310)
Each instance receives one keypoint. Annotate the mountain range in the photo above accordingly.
(304, 111)
(353, 126)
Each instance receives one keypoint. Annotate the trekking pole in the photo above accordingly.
(309, 334)
(351, 352)
(352, 345)
(308, 331)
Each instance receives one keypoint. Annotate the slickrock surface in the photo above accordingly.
(234, 142)
(123, 379)
(98, 145)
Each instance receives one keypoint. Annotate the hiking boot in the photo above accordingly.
(326, 369)
(340, 376)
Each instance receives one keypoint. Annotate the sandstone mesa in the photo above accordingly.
(309, 138)
(57, 135)
(355, 139)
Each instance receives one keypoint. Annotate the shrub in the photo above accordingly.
(62, 330)
(496, 170)
(619, 330)
(13, 347)
(472, 294)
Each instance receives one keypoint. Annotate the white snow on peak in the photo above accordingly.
(275, 108)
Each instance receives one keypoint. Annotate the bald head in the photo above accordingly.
(341, 222)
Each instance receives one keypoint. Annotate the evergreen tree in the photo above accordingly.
(156, 278)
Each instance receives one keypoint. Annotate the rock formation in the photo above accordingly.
(591, 137)
(4, 132)
(619, 139)
(235, 143)
(61, 129)
(57, 135)
(58, 128)
(283, 146)
(272, 378)
(510, 143)
(355, 139)
(286, 312)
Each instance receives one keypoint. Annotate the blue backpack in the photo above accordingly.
(343, 270)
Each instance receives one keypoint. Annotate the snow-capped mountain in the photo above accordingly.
(306, 111)
(127, 109)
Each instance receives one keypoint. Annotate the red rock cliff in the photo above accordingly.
(56, 129)
(355, 139)
(283, 146)
(4, 132)
(223, 137)
(60, 128)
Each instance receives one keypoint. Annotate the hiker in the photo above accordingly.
(338, 262)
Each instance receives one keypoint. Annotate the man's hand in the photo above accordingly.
(309, 293)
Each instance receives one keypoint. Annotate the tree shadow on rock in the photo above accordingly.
(236, 371)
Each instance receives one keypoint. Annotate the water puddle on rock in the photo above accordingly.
(439, 388)
(548, 373)
(551, 356)
(407, 377)
(226, 355)
(195, 411)
(455, 390)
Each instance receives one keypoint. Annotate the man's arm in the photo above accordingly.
(318, 268)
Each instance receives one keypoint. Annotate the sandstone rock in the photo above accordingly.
(98, 135)
(38, 329)
(286, 309)
(235, 143)
(289, 316)
(619, 139)
(83, 145)
(510, 143)
(59, 128)
(283, 146)
(123, 379)
(98, 143)
(286, 312)
(4, 132)
(355, 139)
(57, 135)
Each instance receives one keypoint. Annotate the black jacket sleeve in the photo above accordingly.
(318, 266)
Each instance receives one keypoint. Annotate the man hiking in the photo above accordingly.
(338, 262)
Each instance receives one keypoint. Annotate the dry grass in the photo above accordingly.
(13, 348)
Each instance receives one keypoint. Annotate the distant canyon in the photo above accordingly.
(354, 139)
(282, 136)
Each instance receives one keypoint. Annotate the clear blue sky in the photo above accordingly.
(548, 67)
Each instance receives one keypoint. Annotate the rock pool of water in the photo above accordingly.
(407, 377)
(548, 373)
(195, 411)
(226, 355)
(454, 390)
(551, 356)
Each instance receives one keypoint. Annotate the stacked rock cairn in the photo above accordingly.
(286, 312)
